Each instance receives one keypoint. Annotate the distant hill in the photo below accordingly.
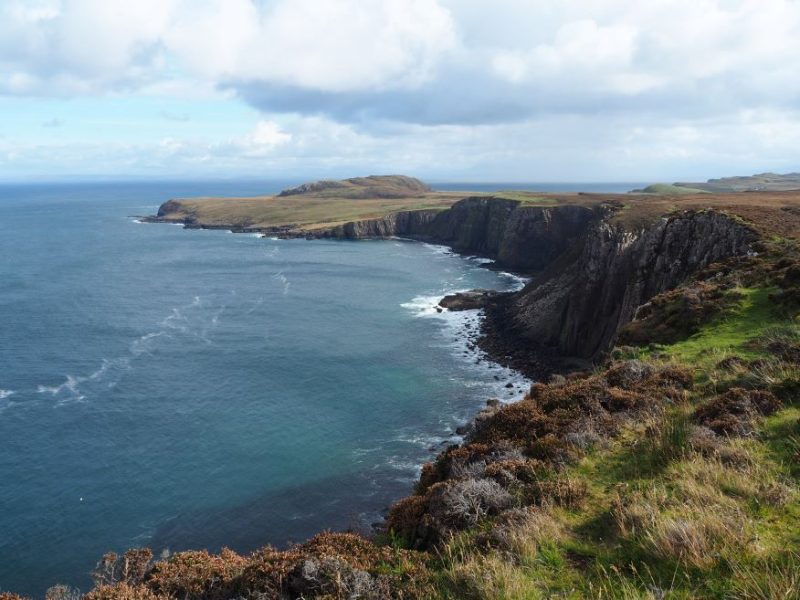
(762, 182)
(374, 186)
(666, 189)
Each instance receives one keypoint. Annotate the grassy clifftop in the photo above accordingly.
(324, 205)
(311, 206)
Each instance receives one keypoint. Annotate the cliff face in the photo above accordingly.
(525, 238)
(410, 223)
(594, 271)
(577, 306)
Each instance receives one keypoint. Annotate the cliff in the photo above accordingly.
(517, 236)
(594, 268)
(577, 306)
(596, 258)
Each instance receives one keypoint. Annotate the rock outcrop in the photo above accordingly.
(577, 306)
(517, 236)
(594, 269)
(402, 224)
(471, 300)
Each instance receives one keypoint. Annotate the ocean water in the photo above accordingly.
(184, 389)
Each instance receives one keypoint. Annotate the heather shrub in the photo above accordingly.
(512, 471)
(628, 373)
(405, 518)
(266, 571)
(129, 568)
(62, 592)
(332, 577)
(737, 411)
(123, 591)
(464, 503)
(197, 574)
(676, 314)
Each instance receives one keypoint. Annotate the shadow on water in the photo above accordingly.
(286, 516)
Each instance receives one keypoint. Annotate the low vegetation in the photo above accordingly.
(359, 188)
(667, 189)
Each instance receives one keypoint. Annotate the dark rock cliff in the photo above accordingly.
(577, 306)
(594, 271)
(524, 238)
(408, 223)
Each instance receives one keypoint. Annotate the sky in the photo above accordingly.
(447, 90)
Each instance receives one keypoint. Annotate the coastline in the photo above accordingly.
(498, 342)
(555, 454)
(475, 342)
(468, 326)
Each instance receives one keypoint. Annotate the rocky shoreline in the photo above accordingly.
(592, 269)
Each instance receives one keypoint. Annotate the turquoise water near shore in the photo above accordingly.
(182, 389)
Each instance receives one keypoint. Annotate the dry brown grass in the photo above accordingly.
(299, 212)
(770, 213)
(123, 591)
(771, 578)
(502, 565)
(697, 514)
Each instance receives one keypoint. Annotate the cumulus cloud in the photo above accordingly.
(82, 46)
(427, 61)
(393, 80)
(326, 45)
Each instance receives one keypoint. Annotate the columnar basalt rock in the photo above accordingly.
(577, 306)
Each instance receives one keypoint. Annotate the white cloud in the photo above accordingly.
(86, 46)
(266, 137)
(348, 58)
(513, 85)
(560, 148)
(330, 45)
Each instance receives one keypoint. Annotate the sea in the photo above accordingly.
(180, 389)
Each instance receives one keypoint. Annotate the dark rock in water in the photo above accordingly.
(509, 385)
(470, 300)
(493, 402)
(439, 309)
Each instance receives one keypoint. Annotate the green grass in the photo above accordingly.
(526, 197)
(751, 540)
(301, 212)
(666, 189)
(751, 317)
